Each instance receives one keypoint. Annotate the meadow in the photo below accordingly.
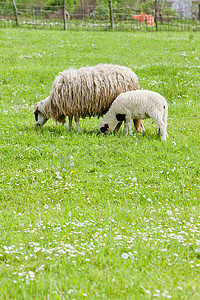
(86, 216)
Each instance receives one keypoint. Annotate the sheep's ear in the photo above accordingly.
(36, 114)
(36, 111)
(106, 126)
(120, 117)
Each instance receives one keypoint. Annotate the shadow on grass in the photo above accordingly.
(59, 131)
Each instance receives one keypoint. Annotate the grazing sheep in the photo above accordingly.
(136, 104)
(88, 91)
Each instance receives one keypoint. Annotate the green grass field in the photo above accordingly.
(85, 216)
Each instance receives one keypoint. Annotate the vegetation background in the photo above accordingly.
(91, 217)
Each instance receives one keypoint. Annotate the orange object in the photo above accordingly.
(144, 17)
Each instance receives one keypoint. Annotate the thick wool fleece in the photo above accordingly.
(136, 105)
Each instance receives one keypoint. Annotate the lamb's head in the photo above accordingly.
(40, 118)
(104, 128)
(110, 122)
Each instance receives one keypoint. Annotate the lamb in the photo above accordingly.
(136, 104)
(88, 91)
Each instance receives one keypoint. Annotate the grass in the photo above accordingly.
(91, 217)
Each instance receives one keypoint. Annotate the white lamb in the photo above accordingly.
(138, 104)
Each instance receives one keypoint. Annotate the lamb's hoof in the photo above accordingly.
(163, 139)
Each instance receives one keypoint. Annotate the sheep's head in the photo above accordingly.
(40, 119)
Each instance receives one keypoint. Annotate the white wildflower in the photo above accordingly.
(125, 256)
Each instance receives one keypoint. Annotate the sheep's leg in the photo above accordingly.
(70, 123)
(138, 125)
(63, 123)
(78, 125)
(117, 127)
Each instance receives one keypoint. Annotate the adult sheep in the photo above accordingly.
(88, 91)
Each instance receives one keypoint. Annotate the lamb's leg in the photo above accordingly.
(117, 127)
(138, 125)
(127, 124)
(162, 129)
(70, 123)
(165, 117)
(127, 128)
(78, 125)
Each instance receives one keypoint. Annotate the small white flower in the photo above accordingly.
(58, 175)
(31, 274)
(58, 206)
(125, 256)
(169, 212)
(174, 143)
(46, 206)
(134, 179)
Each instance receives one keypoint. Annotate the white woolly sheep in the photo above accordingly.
(88, 91)
(136, 104)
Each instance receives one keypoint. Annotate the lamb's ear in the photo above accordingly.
(106, 126)
(120, 117)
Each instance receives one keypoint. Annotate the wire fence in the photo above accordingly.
(168, 17)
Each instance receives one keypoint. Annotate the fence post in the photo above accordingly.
(64, 16)
(111, 14)
(199, 12)
(16, 15)
(156, 12)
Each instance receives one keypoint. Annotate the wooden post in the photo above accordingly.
(199, 12)
(156, 12)
(16, 15)
(64, 16)
(111, 14)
